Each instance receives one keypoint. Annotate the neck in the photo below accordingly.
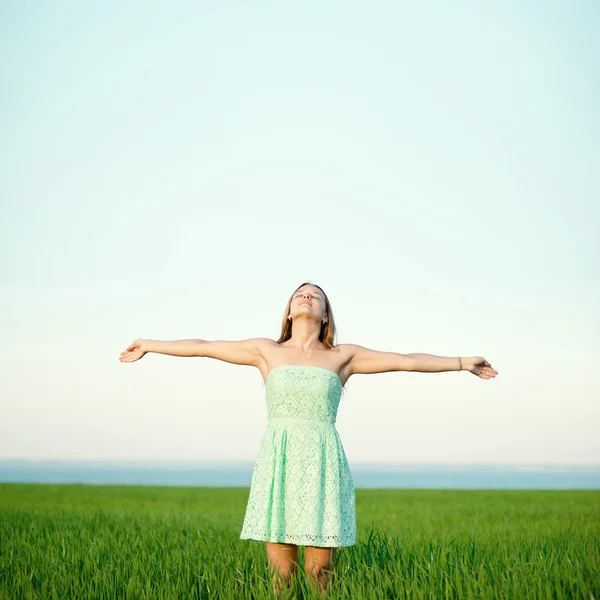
(305, 337)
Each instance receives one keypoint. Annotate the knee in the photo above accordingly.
(288, 570)
(284, 572)
(317, 570)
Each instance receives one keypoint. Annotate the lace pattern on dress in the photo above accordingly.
(302, 490)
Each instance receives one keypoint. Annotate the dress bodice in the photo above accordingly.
(303, 392)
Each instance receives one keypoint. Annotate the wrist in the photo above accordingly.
(145, 345)
(466, 363)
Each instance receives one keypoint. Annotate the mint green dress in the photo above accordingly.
(302, 490)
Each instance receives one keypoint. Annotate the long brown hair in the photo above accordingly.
(327, 334)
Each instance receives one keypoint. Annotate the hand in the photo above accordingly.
(479, 366)
(134, 351)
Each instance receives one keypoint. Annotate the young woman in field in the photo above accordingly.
(302, 492)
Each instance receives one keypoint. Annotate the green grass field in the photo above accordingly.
(91, 541)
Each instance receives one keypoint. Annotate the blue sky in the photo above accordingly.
(175, 171)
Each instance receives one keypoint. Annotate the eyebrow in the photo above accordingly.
(300, 291)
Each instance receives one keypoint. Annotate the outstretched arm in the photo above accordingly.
(243, 352)
(364, 360)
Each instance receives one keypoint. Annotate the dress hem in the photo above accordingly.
(293, 540)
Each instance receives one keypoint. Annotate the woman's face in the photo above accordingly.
(308, 299)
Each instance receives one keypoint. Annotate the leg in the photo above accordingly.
(319, 564)
(283, 562)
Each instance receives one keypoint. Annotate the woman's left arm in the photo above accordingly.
(364, 360)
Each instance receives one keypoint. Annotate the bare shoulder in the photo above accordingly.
(348, 351)
(263, 342)
(267, 348)
(345, 353)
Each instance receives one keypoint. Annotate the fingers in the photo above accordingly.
(490, 369)
(485, 372)
(488, 373)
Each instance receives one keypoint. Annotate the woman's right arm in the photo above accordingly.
(243, 352)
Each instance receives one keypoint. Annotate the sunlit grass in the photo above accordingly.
(92, 541)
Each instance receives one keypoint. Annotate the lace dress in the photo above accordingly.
(302, 490)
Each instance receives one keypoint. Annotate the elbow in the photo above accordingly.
(408, 362)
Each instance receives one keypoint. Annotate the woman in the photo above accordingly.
(302, 491)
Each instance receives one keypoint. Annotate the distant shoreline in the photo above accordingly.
(116, 463)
